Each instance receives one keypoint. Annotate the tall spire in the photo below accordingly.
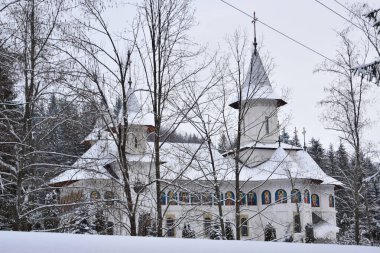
(254, 34)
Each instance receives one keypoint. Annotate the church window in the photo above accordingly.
(244, 226)
(306, 197)
(206, 198)
(314, 200)
(184, 197)
(195, 198)
(280, 196)
(242, 199)
(266, 197)
(297, 223)
(109, 196)
(251, 198)
(170, 229)
(296, 196)
(109, 228)
(207, 226)
(267, 125)
(331, 201)
(94, 195)
(163, 198)
(136, 141)
(221, 199)
(230, 198)
(172, 198)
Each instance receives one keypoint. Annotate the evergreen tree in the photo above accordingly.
(342, 163)
(229, 231)
(309, 233)
(330, 163)
(317, 152)
(215, 233)
(118, 105)
(295, 141)
(187, 231)
(284, 136)
(222, 144)
(269, 232)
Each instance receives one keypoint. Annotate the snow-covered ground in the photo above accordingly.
(24, 242)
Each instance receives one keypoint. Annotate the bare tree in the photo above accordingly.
(29, 32)
(345, 103)
(101, 59)
(166, 53)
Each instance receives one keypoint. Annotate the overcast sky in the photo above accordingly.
(304, 20)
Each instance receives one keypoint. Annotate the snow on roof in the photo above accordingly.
(256, 84)
(191, 161)
(64, 243)
(311, 169)
(134, 111)
(288, 164)
(91, 164)
(271, 145)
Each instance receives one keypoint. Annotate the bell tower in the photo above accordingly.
(257, 102)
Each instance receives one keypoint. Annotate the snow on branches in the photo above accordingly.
(371, 71)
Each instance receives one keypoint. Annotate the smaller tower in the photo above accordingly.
(258, 102)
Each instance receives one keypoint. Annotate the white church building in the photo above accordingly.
(280, 184)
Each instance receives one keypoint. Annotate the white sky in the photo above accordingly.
(304, 20)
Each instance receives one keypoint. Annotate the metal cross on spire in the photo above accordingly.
(254, 33)
(304, 139)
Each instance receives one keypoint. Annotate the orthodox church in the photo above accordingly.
(282, 187)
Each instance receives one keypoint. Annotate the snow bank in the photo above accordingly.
(24, 242)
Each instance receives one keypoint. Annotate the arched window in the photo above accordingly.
(163, 198)
(206, 198)
(207, 226)
(242, 199)
(172, 198)
(280, 196)
(109, 228)
(306, 197)
(195, 198)
(109, 196)
(135, 141)
(94, 195)
(266, 197)
(296, 196)
(230, 198)
(314, 200)
(215, 200)
(170, 229)
(244, 226)
(331, 201)
(184, 198)
(251, 198)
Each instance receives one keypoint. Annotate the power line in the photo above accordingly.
(353, 13)
(281, 33)
(341, 16)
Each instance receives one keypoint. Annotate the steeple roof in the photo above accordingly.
(256, 84)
